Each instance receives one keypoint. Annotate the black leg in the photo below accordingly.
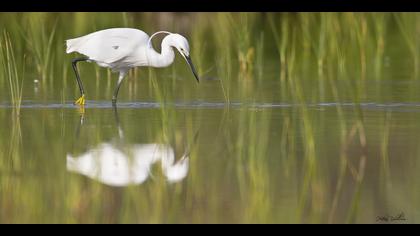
(79, 81)
(117, 89)
(114, 98)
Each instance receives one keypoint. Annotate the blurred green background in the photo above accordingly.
(298, 118)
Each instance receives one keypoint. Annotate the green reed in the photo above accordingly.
(313, 55)
(13, 71)
(407, 23)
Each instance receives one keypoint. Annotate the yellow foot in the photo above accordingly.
(81, 100)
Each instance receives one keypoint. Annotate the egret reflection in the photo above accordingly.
(120, 164)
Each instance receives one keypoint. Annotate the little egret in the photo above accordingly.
(124, 48)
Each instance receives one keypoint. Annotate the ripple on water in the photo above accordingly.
(400, 107)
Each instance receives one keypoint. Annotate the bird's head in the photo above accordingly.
(181, 44)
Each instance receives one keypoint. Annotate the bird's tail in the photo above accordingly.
(72, 45)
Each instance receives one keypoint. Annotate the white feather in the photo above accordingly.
(109, 46)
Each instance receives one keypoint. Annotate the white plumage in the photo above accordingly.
(124, 48)
(115, 166)
(112, 47)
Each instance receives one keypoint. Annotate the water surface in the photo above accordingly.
(243, 146)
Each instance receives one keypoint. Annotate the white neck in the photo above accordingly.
(163, 59)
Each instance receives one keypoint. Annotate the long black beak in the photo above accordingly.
(192, 68)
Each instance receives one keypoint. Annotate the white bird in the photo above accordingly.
(124, 48)
(116, 166)
(119, 163)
